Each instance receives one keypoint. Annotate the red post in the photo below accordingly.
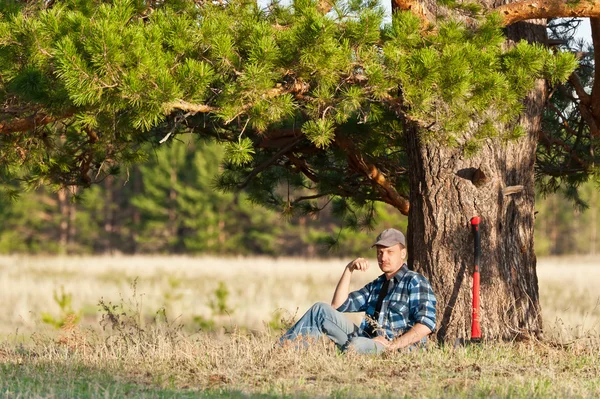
(475, 326)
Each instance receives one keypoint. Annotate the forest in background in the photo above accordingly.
(169, 205)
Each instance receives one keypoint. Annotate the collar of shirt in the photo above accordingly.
(398, 276)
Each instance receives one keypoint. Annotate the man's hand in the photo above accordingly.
(358, 264)
(341, 291)
(383, 340)
(412, 336)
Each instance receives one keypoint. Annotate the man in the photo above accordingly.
(399, 305)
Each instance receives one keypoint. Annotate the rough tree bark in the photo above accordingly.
(446, 190)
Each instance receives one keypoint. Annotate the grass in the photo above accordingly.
(132, 349)
(244, 364)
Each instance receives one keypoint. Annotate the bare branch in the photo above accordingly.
(584, 97)
(29, 123)
(528, 9)
(297, 88)
(377, 178)
(595, 100)
(303, 167)
(416, 8)
(188, 107)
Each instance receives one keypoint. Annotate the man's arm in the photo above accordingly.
(412, 336)
(343, 286)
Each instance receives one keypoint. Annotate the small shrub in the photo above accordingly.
(204, 324)
(126, 325)
(281, 320)
(219, 304)
(67, 314)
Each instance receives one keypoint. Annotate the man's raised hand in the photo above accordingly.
(358, 264)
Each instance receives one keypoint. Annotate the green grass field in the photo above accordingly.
(178, 332)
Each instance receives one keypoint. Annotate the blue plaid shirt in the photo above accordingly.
(409, 300)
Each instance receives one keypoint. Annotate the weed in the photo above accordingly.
(204, 324)
(67, 314)
(173, 294)
(125, 324)
(219, 304)
(281, 320)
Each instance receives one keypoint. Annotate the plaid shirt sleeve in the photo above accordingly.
(422, 302)
(357, 300)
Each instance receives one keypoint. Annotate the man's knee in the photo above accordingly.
(321, 307)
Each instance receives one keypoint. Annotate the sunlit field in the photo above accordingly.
(177, 326)
(257, 290)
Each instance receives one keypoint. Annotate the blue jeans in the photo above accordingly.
(322, 319)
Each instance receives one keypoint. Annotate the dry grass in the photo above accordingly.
(136, 358)
(569, 296)
(185, 286)
(161, 362)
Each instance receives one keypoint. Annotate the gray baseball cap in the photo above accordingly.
(389, 238)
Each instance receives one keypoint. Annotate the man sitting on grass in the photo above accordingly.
(399, 305)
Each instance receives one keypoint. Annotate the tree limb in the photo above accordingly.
(535, 9)
(587, 115)
(268, 162)
(30, 122)
(595, 100)
(548, 141)
(297, 88)
(584, 97)
(416, 8)
(303, 167)
(377, 178)
(189, 107)
(565, 121)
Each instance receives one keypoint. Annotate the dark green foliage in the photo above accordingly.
(566, 156)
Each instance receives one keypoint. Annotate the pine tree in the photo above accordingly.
(436, 112)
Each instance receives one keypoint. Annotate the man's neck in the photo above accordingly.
(391, 275)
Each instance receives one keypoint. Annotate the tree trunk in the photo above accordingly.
(72, 237)
(593, 222)
(553, 228)
(63, 205)
(136, 214)
(446, 190)
(108, 216)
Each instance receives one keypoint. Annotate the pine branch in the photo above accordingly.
(28, 123)
(296, 89)
(188, 107)
(528, 9)
(268, 162)
(303, 167)
(565, 121)
(587, 115)
(548, 141)
(279, 138)
(416, 8)
(595, 100)
(357, 162)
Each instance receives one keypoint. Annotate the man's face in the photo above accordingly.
(390, 259)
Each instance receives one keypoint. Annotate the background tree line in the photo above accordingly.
(169, 205)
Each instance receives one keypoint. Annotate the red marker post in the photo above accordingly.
(475, 327)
